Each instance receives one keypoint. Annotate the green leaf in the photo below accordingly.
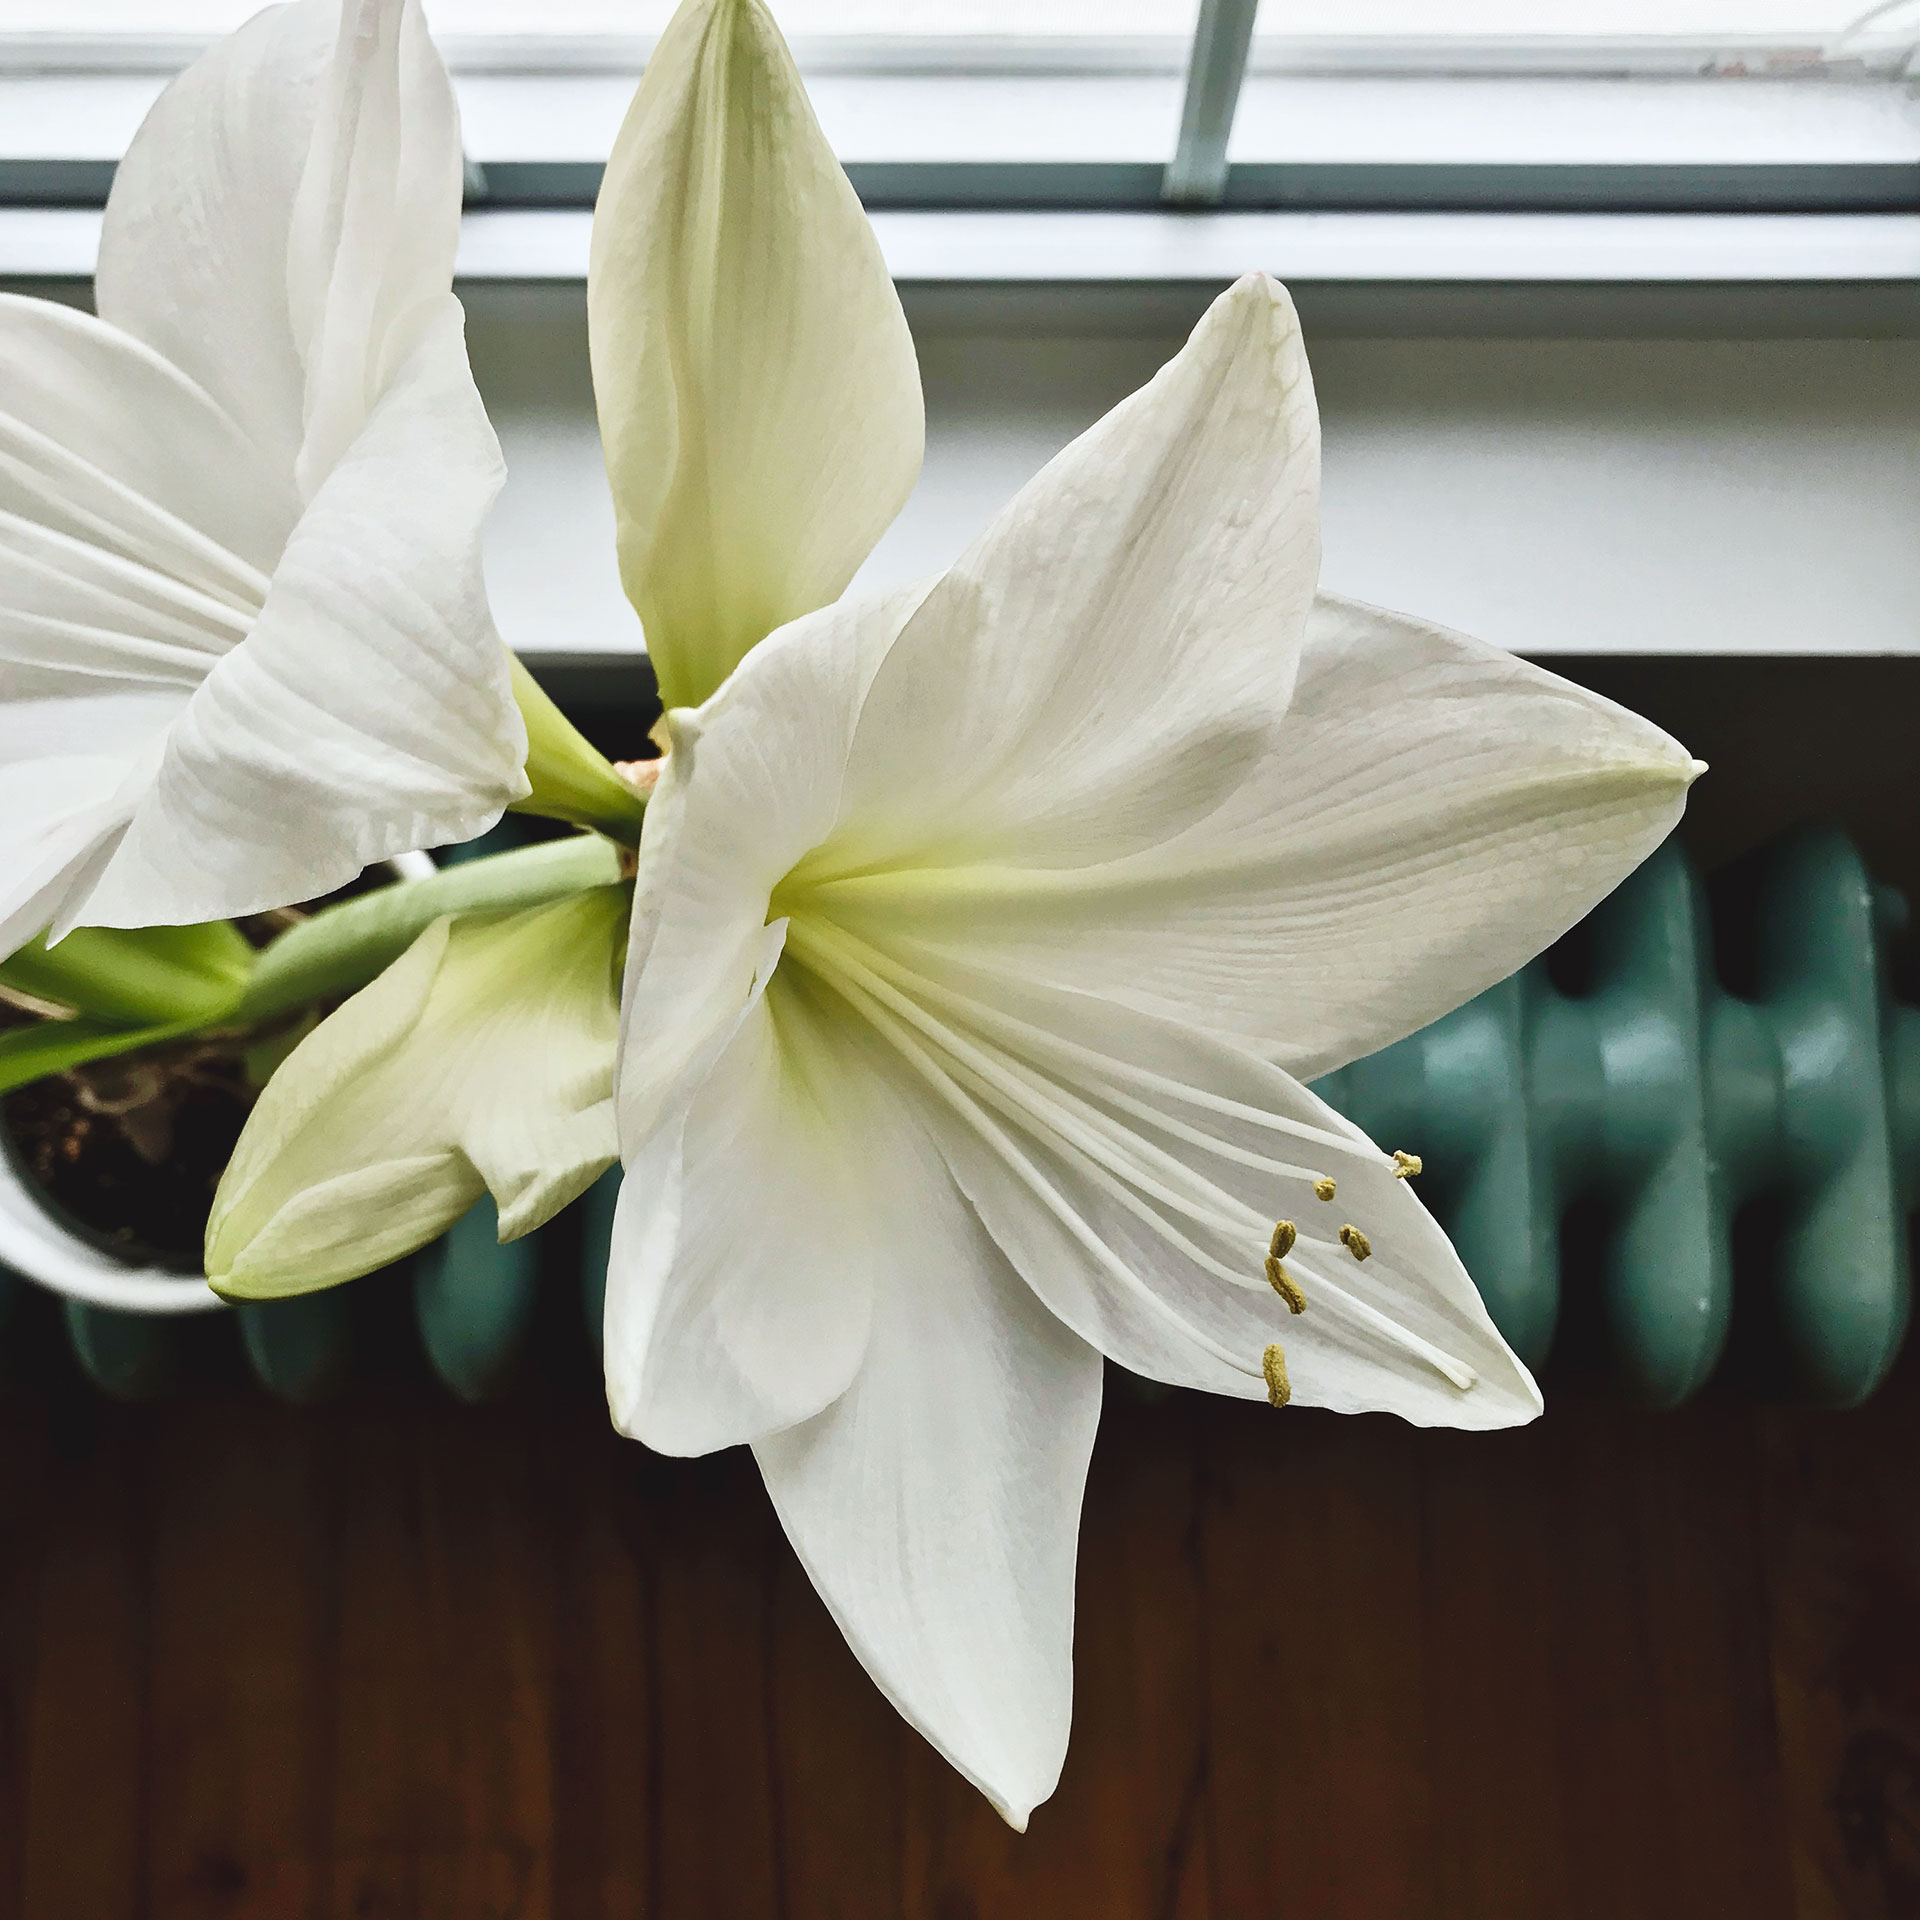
(134, 976)
(342, 948)
(52, 1046)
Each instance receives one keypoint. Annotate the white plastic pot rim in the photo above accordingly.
(37, 1247)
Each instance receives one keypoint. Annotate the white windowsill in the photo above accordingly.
(973, 248)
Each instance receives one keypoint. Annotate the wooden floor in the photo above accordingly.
(396, 1657)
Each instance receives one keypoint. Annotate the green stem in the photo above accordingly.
(571, 779)
(148, 985)
(341, 948)
(134, 976)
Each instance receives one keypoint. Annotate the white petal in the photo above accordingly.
(286, 216)
(1431, 813)
(370, 710)
(1133, 1171)
(759, 398)
(751, 782)
(1106, 662)
(105, 441)
(59, 819)
(481, 1060)
(276, 261)
(132, 516)
(936, 1504)
(193, 248)
(745, 1250)
(376, 221)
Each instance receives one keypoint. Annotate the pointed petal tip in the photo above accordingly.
(1012, 1796)
(1016, 1816)
(1259, 283)
(1508, 1397)
(1695, 768)
(1263, 297)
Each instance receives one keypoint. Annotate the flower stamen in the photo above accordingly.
(1284, 1284)
(1355, 1242)
(991, 1088)
(1406, 1165)
(1278, 1278)
(1273, 1364)
(1324, 1188)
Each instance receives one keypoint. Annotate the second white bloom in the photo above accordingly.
(244, 642)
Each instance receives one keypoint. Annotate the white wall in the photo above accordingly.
(1555, 496)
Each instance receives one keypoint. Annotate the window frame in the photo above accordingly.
(1158, 160)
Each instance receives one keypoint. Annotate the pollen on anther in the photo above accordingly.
(1273, 1363)
(1284, 1284)
(1284, 1236)
(1405, 1165)
(1323, 1188)
(1355, 1242)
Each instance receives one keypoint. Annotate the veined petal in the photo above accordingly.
(60, 820)
(1133, 1170)
(759, 398)
(287, 215)
(375, 223)
(134, 517)
(1110, 658)
(106, 442)
(1431, 813)
(370, 711)
(481, 1060)
(746, 1250)
(752, 781)
(936, 1503)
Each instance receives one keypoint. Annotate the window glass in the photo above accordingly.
(1511, 20)
(925, 19)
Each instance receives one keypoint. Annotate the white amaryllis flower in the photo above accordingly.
(244, 645)
(982, 939)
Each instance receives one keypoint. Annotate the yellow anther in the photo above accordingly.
(1323, 1188)
(1273, 1363)
(1355, 1242)
(1405, 1165)
(1283, 1238)
(1284, 1284)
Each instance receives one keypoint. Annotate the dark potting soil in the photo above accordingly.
(130, 1150)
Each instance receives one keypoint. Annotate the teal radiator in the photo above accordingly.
(1636, 1126)
(1666, 1104)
